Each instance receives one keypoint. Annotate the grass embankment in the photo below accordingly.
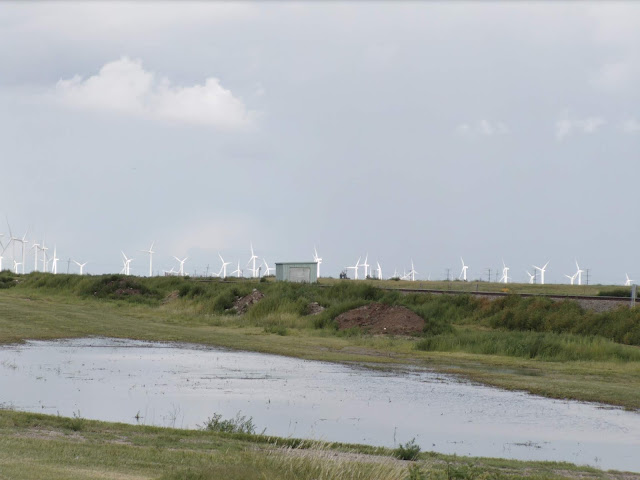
(553, 349)
(39, 446)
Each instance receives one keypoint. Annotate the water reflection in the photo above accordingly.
(182, 385)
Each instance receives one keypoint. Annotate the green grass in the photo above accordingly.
(39, 446)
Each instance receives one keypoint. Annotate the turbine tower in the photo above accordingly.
(463, 273)
(252, 261)
(54, 261)
(542, 270)
(223, 269)
(366, 266)
(505, 273)
(35, 247)
(532, 277)
(412, 272)
(355, 269)
(237, 271)
(267, 267)
(379, 271)
(317, 259)
(628, 281)
(150, 252)
(181, 271)
(572, 278)
(579, 273)
(81, 265)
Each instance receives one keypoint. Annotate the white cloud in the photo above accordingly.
(124, 87)
(631, 126)
(567, 125)
(483, 127)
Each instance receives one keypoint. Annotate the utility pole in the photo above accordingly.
(587, 272)
(489, 275)
(207, 274)
(68, 265)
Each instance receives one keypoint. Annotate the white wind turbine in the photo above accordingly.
(542, 270)
(252, 261)
(268, 268)
(628, 282)
(572, 278)
(150, 252)
(237, 271)
(54, 261)
(317, 259)
(463, 273)
(379, 271)
(44, 256)
(366, 266)
(15, 266)
(35, 247)
(181, 271)
(22, 241)
(505, 273)
(412, 272)
(81, 265)
(355, 269)
(532, 277)
(126, 264)
(223, 269)
(579, 273)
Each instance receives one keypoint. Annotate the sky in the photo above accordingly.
(408, 131)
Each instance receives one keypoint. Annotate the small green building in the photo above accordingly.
(299, 272)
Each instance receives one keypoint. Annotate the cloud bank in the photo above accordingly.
(124, 87)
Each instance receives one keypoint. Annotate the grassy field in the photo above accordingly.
(527, 344)
(39, 446)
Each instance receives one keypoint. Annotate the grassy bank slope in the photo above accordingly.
(38, 446)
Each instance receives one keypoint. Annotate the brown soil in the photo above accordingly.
(242, 304)
(380, 318)
(171, 297)
(314, 308)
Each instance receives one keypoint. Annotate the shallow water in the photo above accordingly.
(182, 385)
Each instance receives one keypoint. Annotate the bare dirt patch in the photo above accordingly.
(171, 297)
(242, 304)
(378, 318)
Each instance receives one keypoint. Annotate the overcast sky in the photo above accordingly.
(417, 130)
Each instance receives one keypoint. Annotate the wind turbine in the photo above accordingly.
(35, 247)
(629, 281)
(15, 266)
(366, 266)
(252, 260)
(572, 278)
(532, 277)
(81, 265)
(317, 259)
(22, 241)
(463, 273)
(542, 270)
(126, 262)
(44, 256)
(505, 273)
(181, 271)
(150, 252)
(579, 273)
(54, 262)
(412, 272)
(266, 265)
(223, 268)
(237, 271)
(355, 269)
(379, 271)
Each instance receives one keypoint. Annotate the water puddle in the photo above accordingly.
(182, 385)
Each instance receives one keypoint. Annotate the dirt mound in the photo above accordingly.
(314, 308)
(381, 318)
(242, 304)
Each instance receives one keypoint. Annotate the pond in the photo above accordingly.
(180, 385)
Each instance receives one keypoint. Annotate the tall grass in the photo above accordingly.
(542, 346)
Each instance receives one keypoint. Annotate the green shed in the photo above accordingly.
(299, 272)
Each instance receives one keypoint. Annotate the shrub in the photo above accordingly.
(408, 451)
(239, 424)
